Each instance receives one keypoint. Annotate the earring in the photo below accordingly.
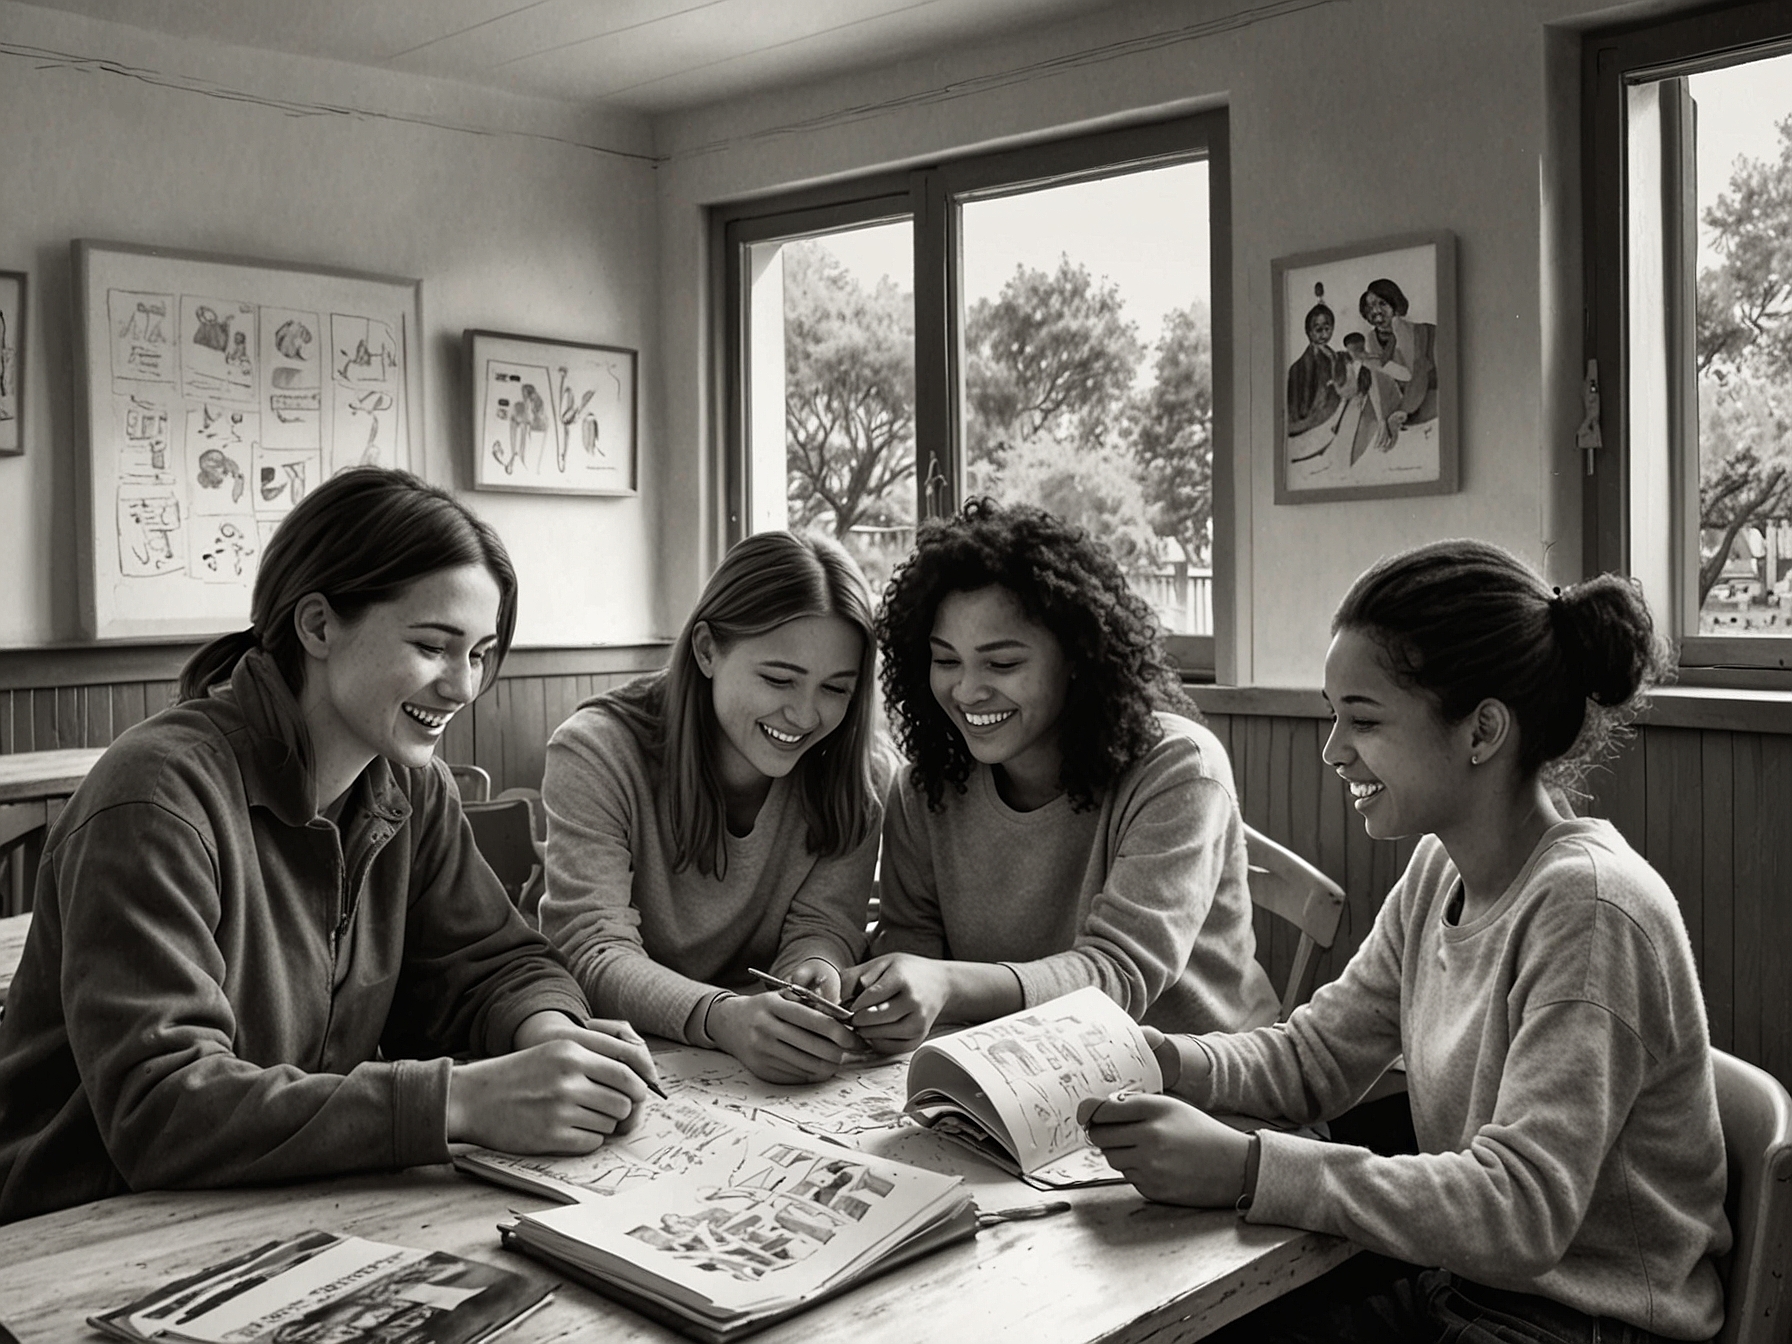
(1475, 759)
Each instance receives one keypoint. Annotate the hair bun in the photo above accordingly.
(1607, 636)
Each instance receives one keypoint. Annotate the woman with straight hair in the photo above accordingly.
(262, 933)
(722, 816)
(1066, 819)
(1530, 965)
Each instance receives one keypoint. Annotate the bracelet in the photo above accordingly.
(715, 998)
(1253, 1158)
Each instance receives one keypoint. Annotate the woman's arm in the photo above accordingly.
(593, 806)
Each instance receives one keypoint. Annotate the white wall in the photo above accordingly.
(1349, 121)
(508, 209)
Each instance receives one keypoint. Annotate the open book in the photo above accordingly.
(717, 1225)
(322, 1286)
(1009, 1089)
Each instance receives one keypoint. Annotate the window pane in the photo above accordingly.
(1744, 347)
(831, 404)
(1088, 370)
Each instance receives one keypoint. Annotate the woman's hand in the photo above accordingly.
(779, 1039)
(1171, 1152)
(556, 1097)
(610, 1037)
(819, 975)
(1182, 1062)
(900, 996)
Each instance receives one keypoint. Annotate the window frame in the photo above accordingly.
(931, 196)
(1612, 62)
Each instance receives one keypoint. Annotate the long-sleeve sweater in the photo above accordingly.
(1143, 895)
(651, 944)
(1559, 1067)
(220, 987)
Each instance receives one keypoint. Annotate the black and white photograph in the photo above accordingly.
(890, 671)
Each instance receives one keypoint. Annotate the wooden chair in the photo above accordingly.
(505, 835)
(474, 784)
(1287, 885)
(1756, 1114)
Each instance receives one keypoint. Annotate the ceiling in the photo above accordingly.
(648, 56)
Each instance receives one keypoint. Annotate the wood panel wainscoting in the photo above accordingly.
(1703, 791)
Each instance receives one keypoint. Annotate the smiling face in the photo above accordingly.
(1319, 328)
(1405, 766)
(1002, 679)
(777, 694)
(387, 682)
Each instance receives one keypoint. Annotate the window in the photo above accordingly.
(1689, 275)
(1036, 325)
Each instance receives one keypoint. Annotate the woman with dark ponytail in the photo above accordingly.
(261, 929)
(1530, 966)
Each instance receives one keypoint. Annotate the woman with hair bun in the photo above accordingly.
(262, 932)
(722, 815)
(1066, 820)
(1531, 967)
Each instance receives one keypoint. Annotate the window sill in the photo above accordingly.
(1711, 708)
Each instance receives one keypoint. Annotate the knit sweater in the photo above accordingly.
(652, 945)
(1560, 1076)
(221, 988)
(1143, 895)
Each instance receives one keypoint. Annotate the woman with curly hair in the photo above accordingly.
(1065, 821)
(723, 814)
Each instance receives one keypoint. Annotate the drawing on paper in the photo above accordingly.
(220, 394)
(552, 415)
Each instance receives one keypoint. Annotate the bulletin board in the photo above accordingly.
(214, 393)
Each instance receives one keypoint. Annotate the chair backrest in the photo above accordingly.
(1756, 1115)
(506, 839)
(1287, 885)
(474, 784)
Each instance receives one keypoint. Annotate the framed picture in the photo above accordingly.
(12, 362)
(1366, 370)
(552, 416)
(212, 394)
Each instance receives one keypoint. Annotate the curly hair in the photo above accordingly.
(1067, 582)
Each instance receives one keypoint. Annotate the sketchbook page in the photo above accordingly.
(783, 1217)
(1034, 1066)
(864, 1098)
(675, 1136)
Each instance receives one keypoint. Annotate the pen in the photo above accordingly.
(1023, 1212)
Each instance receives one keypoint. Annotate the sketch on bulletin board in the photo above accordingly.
(552, 416)
(12, 361)
(215, 394)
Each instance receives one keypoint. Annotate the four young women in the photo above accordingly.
(285, 933)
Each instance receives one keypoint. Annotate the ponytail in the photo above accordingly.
(214, 663)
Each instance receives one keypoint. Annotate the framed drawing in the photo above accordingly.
(212, 394)
(552, 416)
(1366, 361)
(12, 362)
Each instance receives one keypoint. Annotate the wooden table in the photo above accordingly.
(33, 787)
(1115, 1268)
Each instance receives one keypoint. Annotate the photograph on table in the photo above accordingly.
(12, 361)
(556, 417)
(1366, 340)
